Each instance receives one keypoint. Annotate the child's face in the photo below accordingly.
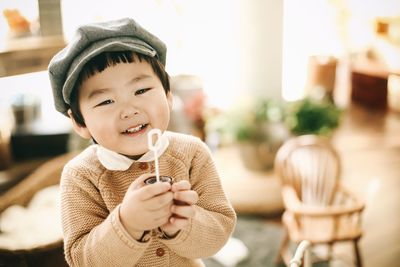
(121, 104)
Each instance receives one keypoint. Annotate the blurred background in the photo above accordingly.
(246, 76)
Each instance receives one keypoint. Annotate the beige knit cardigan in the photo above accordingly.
(90, 198)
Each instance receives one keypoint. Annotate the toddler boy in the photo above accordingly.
(111, 81)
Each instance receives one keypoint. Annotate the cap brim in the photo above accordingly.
(107, 45)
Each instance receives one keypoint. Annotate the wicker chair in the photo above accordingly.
(317, 207)
(45, 175)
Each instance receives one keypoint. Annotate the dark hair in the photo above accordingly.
(101, 62)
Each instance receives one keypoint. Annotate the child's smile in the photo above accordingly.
(136, 130)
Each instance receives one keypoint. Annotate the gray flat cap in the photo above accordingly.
(91, 40)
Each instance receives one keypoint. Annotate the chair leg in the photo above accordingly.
(357, 253)
(282, 253)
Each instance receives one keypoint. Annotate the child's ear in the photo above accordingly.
(82, 131)
(170, 98)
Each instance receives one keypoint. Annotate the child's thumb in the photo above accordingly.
(139, 182)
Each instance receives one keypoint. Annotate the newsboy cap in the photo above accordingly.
(92, 39)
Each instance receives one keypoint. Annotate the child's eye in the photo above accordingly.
(142, 91)
(107, 102)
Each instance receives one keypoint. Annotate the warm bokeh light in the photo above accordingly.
(240, 47)
(233, 45)
(332, 28)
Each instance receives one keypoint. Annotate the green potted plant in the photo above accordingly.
(258, 129)
(312, 116)
(261, 125)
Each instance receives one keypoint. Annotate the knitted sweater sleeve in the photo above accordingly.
(215, 218)
(92, 235)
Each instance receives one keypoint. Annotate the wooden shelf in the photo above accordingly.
(28, 54)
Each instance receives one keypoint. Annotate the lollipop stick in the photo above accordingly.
(154, 147)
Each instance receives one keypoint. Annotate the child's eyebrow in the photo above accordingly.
(97, 92)
(104, 90)
(138, 78)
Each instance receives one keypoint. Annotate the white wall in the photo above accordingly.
(260, 31)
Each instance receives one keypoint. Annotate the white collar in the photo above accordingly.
(114, 161)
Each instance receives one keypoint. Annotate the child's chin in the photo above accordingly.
(133, 154)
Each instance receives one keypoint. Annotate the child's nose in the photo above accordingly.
(128, 111)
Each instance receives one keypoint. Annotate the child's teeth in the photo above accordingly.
(136, 129)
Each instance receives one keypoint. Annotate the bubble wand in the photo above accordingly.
(154, 147)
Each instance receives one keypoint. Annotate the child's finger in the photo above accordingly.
(181, 185)
(178, 222)
(188, 197)
(139, 182)
(152, 190)
(158, 202)
(183, 211)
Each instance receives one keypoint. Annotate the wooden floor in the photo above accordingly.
(369, 145)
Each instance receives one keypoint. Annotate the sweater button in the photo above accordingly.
(160, 252)
(143, 165)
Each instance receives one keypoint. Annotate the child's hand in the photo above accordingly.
(145, 207)
(183, 208)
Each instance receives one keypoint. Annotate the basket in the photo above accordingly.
(45, 175)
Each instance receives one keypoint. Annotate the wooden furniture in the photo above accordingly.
(321, 76)
(46, 174)
(369, 86)
(317, 207)
(47, 255)
(28, 54)
(44, 132)
(16, 172)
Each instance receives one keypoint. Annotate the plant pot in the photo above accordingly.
(260, 155)
(257, 156)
